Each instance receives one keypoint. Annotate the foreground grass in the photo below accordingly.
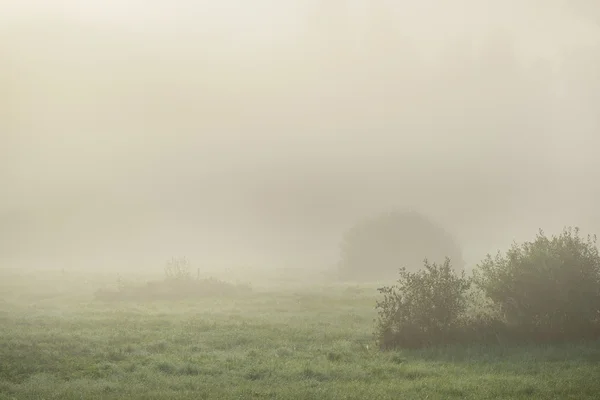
(276, 344)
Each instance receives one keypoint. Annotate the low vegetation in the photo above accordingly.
(178, 284)
(547, 290)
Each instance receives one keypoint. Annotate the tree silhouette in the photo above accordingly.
(376, 248)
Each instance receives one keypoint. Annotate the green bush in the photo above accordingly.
(423, 308)
(548, 289)
(373, 249)
(540, 291)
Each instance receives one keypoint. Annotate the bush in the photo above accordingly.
(373, 250)
(423, 308)
(548, 289)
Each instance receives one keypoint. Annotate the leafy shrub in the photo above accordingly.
(548, 289)
(423, 308)
(373, 250)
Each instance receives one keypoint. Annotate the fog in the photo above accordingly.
(247, 134)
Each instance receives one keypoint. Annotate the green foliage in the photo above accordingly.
(545, 290)
(374, 249)
(423, 308)
(548, 289)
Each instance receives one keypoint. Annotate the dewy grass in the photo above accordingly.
(277, 344)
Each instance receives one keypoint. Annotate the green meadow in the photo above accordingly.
(279, 341)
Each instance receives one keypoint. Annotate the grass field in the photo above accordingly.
(287, 342)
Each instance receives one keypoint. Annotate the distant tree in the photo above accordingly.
(377, 248)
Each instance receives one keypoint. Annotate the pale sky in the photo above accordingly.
(547, 24)
(244, 20)
(189, 119)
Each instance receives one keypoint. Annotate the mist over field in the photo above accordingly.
(241, 134)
